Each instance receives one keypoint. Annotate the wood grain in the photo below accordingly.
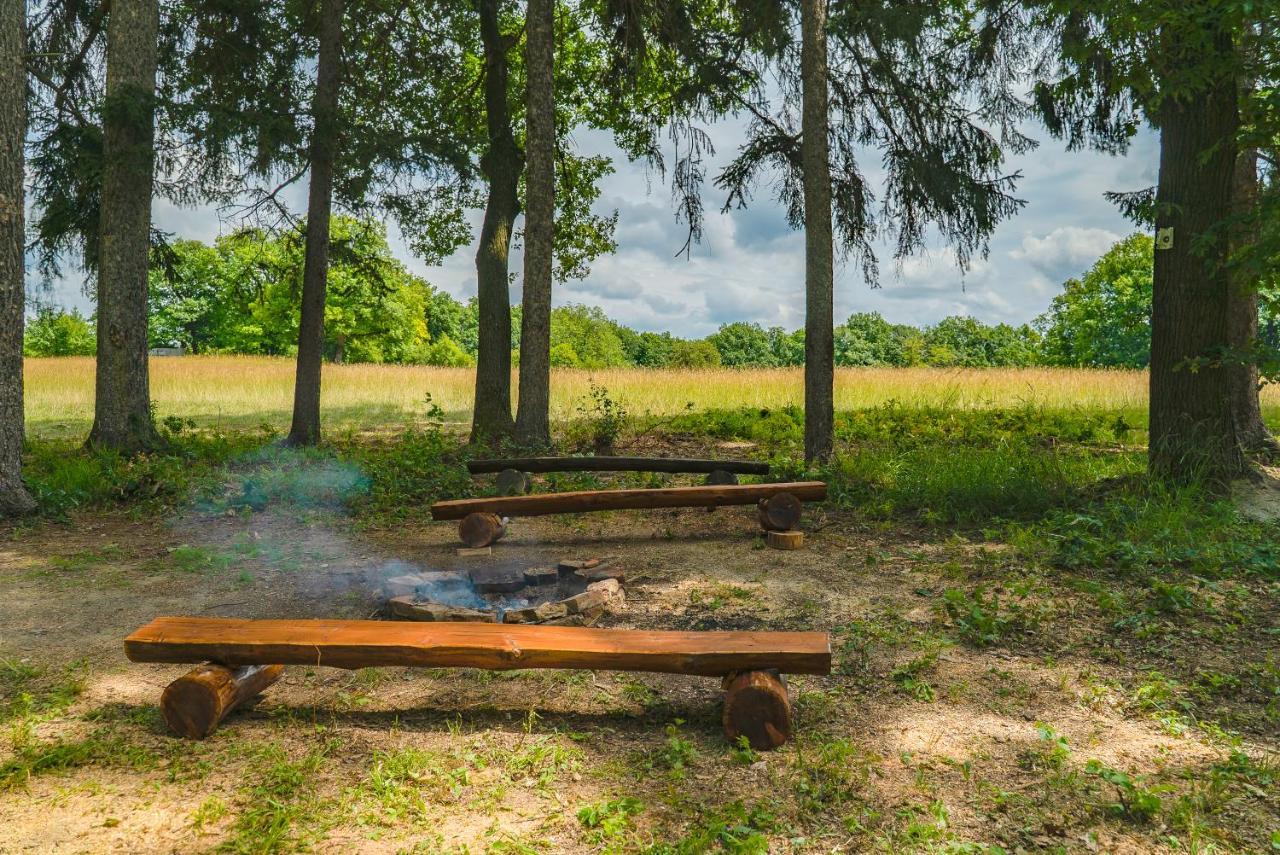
(582, 501)
(601, 463)
(757, 706)
(196, 702)
(363, 643)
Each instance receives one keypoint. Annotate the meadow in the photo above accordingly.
(1036, 649)
(233, 392)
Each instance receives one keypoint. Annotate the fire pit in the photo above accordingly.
(573, 593)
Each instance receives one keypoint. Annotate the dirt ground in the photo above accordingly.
(916, 742)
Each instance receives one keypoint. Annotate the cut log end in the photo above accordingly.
(480, 529)
(756, 705)
(195, 703)
(780, 512)
(788, 540)
(720, 477)
(513, 482)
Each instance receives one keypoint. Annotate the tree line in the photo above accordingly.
(240, 296)
(423, 111)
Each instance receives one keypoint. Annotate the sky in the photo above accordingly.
(749, 265)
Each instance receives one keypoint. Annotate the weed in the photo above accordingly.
(909, 677)
(1133, 800)
(976, 615)
(608, 822)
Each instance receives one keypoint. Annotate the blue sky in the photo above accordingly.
(750, 264)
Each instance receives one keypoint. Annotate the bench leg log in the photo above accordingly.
(780, 513)
(480, 529)
(196, 702)
(756, 705)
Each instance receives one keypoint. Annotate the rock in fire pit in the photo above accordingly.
(565, 596)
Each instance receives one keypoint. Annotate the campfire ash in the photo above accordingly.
(573, 593)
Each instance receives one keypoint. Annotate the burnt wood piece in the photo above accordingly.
(756, 705)
(780, 512)
(513, 482)
(196, 702)
(582, 501)
(480, 529)
(365, 644)
(601, 463)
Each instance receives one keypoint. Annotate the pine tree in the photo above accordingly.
(122, 400)
(533, 426)
(305, 429)
(14, 498)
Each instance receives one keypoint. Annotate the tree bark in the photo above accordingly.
(1242, 316)
(533, 419)
(305, 429)
(14, 498)
(1193, 424)
(122, 403)
(819, 346)
(501, 164)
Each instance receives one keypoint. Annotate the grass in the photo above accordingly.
(991, 560)
(243, 392)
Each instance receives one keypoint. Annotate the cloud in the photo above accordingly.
(1066, 251)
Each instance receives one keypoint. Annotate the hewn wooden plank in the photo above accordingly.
(582, 501)
(617, 464)
(364, 643)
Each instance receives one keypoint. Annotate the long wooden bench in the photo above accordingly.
(245, 656)
(481, 518)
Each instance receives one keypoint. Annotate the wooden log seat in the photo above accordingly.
(783, 501)
(749, 662)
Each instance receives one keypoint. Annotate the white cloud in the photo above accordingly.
(1066, 251)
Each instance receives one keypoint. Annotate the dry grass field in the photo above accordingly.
(239, 391)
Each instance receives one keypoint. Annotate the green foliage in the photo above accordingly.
(1104, 318)
(53, 332)
(1133, 800)
(976, 615)
(242, 295)
(601, 420)
(731, 828)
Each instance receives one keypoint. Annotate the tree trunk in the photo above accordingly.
(1242, 316)
(819, 353)
(1192, 417)
(501, 165)
(122, 402)
(305, 429)
(14, 498)
(533, 420)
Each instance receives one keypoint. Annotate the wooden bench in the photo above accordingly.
(513, 472)
(481, 519)
(245, 656)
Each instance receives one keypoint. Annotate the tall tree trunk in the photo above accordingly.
(533, 419)
(305, 429)
(1242, 315)
(122, 402)
(819, 346)
(14, 498)
(1192, 419)
(501, 164)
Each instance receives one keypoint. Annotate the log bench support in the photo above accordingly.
(757, 706)
(194, 704)
(756, 703)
